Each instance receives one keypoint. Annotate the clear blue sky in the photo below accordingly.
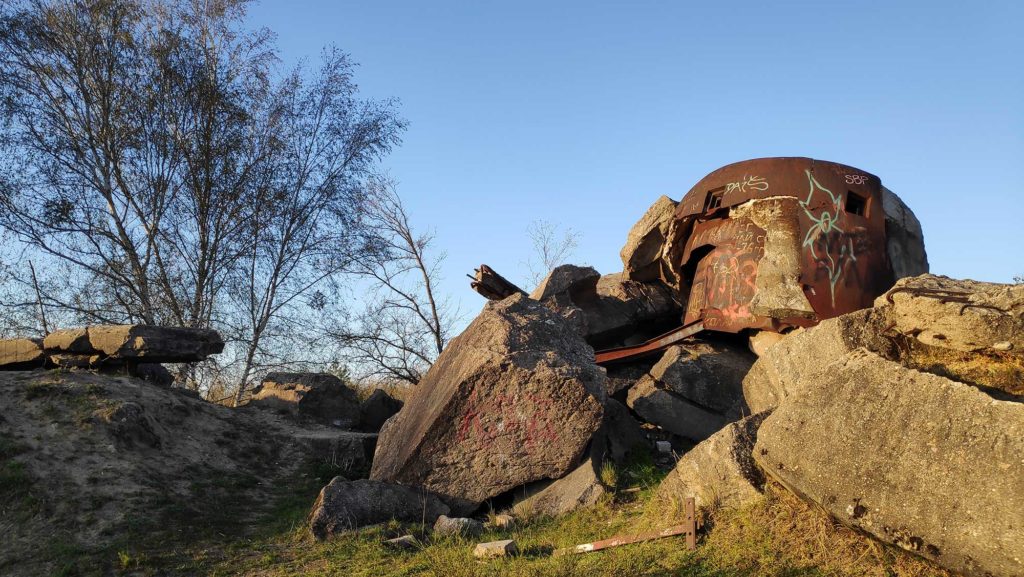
(583, 113)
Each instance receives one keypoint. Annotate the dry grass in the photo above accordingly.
(1002, 371)
(782, 535)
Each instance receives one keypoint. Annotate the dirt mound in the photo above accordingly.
(90, 464)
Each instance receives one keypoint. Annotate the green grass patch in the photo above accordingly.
(46, 390)
(18, 500)
(779, 536)
(61, 401)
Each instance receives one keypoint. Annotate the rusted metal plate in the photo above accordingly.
(743, 181)
(724, 280)
(845, 262)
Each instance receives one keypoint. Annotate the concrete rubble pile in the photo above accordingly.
(516, 414)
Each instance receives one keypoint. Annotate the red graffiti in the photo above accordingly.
(529, 415)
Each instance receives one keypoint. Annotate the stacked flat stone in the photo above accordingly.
(106, 346)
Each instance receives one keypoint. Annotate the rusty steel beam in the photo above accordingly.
(687, 528)
(652, 346)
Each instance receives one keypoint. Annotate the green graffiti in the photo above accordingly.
(825, 224)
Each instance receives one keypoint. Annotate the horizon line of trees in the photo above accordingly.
(159, 166)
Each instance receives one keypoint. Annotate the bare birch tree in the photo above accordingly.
(406, 323)
(551, 247)
(151, 153)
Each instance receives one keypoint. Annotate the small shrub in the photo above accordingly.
(41, 390)
(609, 475)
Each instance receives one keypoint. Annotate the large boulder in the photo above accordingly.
(21, 354)
(318, 397)
(709, 374)
(134, 343)
(376, 409)
(962, 315)
(346, 505)
(514, 399)
(904, 239)
(914, 459)
(563, 285)
(718, 472)
(611, 309)
(565, 280)
(643, 252)
(694, 389)
(967, 329)
(661, 406)
(803, 356)
(580, 488)
(620, 308)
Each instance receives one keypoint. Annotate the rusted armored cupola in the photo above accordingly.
(776, 242)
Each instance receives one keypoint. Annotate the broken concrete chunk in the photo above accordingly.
(155, 344)
(136, 342)
(643, 252)
(515, 398)
(962, 315)
(446, 526)
(69, 341)
(620, 308)
(564, 280)
(376, 409)
(21, 354)
(495, 549)
(607, 309)
(904, 239)
(708, 374)
(720, 471)
(319, 397)
(580, 488)
(801, 355)
(405, 543)
(913, 459)
(670, 411)
(345, 505)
